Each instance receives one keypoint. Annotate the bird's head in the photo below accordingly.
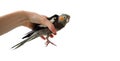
(64, 19)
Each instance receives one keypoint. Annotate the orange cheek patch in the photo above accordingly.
(61, 18)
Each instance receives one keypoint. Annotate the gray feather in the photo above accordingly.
(33, 36)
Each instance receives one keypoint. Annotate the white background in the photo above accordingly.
(93, 33)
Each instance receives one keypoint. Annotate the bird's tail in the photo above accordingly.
(33, 36)
(19, 44)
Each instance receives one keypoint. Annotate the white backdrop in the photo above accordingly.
(93, 33)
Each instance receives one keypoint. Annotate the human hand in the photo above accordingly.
(39, 19)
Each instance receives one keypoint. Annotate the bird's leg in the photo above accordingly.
(48, 41)
(51, 36)
(43, 37)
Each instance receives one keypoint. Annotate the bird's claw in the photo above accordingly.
(47, 42)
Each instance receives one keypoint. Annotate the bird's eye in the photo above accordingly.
(64, 17)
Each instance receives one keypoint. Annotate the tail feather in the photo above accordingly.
(19, 44)
(33, 36)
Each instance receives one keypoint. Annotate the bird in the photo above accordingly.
(59, 21)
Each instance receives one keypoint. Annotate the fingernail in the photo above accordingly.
(54, 33)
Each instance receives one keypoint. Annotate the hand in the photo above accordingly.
(40, 19)
(25, 18)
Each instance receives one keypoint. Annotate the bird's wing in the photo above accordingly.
(28, 34)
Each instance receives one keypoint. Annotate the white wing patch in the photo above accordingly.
(52, 20)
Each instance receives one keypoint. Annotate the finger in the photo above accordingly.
(43, 37)
(51, 36)
(50, 26)
(54, 33)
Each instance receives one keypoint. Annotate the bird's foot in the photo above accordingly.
(47, 42)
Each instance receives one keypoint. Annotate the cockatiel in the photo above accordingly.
(59, 21)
